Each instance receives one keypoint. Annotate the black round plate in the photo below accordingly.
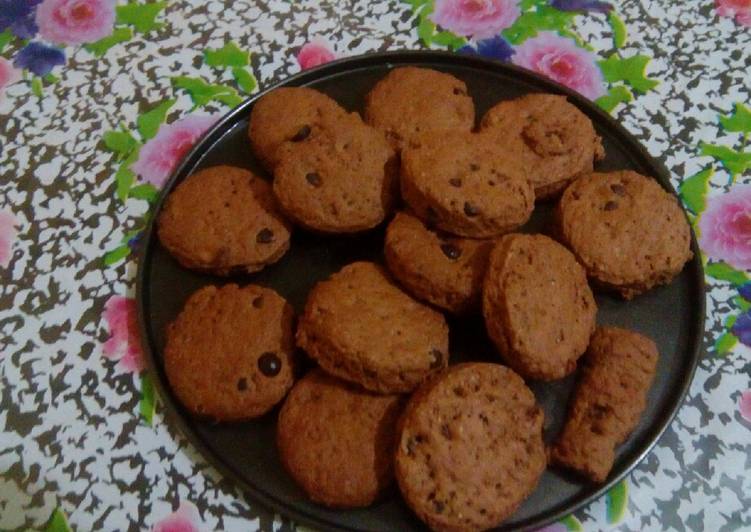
(672, 315)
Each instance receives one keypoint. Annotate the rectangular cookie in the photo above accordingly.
(618, 370)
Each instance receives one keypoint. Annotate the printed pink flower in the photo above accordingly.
(8, 234)
(123, 344)
(160, 155)
(316, 52)
(725, 227)
(8, 75)
(480, 19)
(744, 405)
(561, 60)
(75, 21)
(185, 519)
(740, 9)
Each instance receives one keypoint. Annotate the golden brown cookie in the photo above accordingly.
(343, 181)
(229, 353)
(359, 326)
(610, 397)
(466, 184)
(410, 101)
(289, 114)
(470, 447)
(434, 266)
(223, 220)
(337, 440)
(538, 308)
(557, 141)
(627, 231)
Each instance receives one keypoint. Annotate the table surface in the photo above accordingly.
(99, 100)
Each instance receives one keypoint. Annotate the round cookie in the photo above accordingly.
(360, 327)
(410, 101)
(627, 231)
(538, 308)
(337, 182)
(466, 184)
(229, 353)
(557, 142)
(223, 220)
(470, 447)
(289, 114)
(337, 440)
(441, 269)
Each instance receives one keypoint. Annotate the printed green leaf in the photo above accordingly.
(202, 93)
(725, 343)
(620, 34)
(724, 272)
(5, 38)
(147, 192)
(425, 30)
(446, 38)
(124, 179)
(694, 189)
(120, 142)
(147, 405)
(616, 95)
(100, 47)
(616, 501)
(528, 4)
(141, 16)
(742, 304)
(229, 55)
(738, 121)
(57, 522)
(417, 4)
(736, 162)
(51, 78)
(36, 87)
(572, 524)
(149, 122)
(543, 18)
(245, 80)
(631, 70)
(116, 255)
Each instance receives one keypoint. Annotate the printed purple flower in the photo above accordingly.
(75, 21)
(742, 328)
(479, 19)
(744, 405)
(725, 227)
(745, 291)
(39, 58)
(495, 48)
(581, 5)
(18, 16)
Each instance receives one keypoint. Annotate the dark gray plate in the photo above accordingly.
(672, 315)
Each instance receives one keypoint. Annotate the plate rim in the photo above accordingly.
(394, 58)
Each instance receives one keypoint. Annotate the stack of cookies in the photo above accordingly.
(464, 442)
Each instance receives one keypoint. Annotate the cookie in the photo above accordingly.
(410, 101)
(557, 142)
(627, 231)
(289, 114)
(434, 266)
(229, 353)
(223, 220)
(465, 184)
(611, 395)
(337, 440)
(343, 181)
(470, 447)
(359, 326)
(538, 308)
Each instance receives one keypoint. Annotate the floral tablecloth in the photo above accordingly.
(100, 98)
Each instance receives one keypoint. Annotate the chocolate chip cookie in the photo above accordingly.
(337, 440)
(538, 308)
(627, 231)
(229, 353)
(359, 326)
(223, 220)
(470, 447)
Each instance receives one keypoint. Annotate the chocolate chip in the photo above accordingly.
(436, 359)
(491, 183)
(618, 189)
(314, 179)
(451, 251)
(474, 167)
(301, 134)
(269, 364)
(611, 206)
(438, 506)
(265, 236)
(446, 431)
(458, 91)
(470, 210)
(430, 214)
(242, 384)
(258, 302)
(455, 182)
